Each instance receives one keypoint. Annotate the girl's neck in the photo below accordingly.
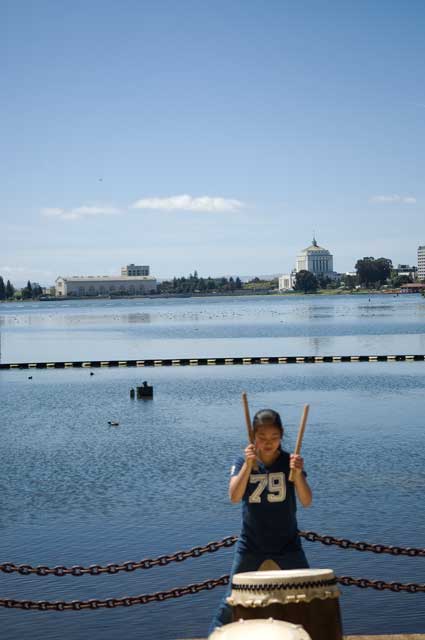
(268, 460)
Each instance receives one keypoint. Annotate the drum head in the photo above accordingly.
(260, 629)
(263, 588)
(285, 576)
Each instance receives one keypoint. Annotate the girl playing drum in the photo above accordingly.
(269, 526)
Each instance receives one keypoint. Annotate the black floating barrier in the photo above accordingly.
(200, 362)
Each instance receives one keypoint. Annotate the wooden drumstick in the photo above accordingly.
(300, 438)
(249, 428)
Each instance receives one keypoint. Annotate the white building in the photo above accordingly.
(317, 260)
(135, 270)
(287, 281)
(421, 262)
(105, 285)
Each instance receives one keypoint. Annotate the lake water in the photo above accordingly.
(75, 490)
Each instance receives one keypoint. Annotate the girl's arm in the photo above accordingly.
(237, 484)
(302, 487)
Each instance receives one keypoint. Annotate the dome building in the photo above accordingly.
(317, 260)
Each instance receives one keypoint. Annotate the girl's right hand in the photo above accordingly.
(250, 455)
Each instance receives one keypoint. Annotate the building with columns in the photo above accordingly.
(316, 259)
(287, 281)
(127, 284)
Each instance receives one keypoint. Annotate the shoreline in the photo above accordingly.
(233, 294)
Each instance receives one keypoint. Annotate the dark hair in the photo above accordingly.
(267, 417)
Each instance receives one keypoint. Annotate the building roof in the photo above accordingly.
(314, 247)
(103, 278)
(412, 285)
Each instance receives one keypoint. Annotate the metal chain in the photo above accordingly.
(380, 585)
(110, 603)
(178, 592)
(113, 568)
(196, 552)
(311, 536)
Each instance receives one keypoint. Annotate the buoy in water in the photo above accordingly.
(145, 391)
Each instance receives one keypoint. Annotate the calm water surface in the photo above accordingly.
(269, 325)
(75, 490)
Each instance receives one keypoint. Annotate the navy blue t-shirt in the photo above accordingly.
(269, 524)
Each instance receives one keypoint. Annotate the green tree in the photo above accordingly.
(37, 291)
(2, 289)
(306, 281)
(366, 272)
(27, 291)
(10, 290)
(323, 281)
(397, 281)
(384, 268)
(371, 272)
(350, 282)
(274, 284)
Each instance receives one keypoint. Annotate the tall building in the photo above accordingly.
(317, 260)
(135, 270)
(421, 262)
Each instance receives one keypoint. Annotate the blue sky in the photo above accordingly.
(216, 136)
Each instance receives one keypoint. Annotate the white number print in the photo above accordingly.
(277, 487)
(275, 482)
(261, 478)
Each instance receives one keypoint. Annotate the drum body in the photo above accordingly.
(307, 597)
(260, 630)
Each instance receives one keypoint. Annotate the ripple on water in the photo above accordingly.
(77, 490)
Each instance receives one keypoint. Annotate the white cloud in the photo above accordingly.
(203, 204)
(394, 199)
(85, 211)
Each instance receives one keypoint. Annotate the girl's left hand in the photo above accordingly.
(296, 463)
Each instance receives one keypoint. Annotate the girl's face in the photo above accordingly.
(267, 439)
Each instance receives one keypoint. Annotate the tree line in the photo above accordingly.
(194, 284)
(9, 292)
(370, 273)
